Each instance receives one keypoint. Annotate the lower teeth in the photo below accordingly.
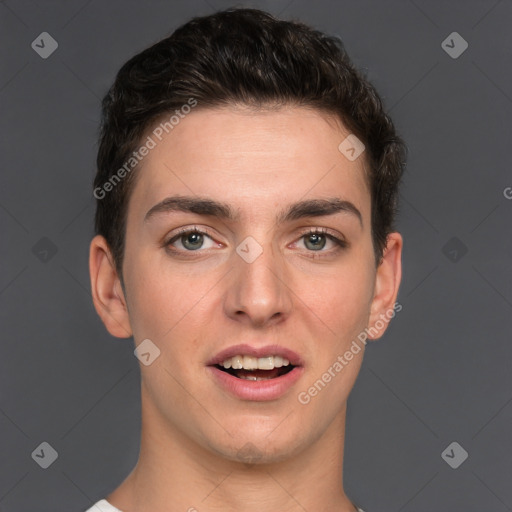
(252, 377)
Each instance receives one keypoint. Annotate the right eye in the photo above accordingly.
(190, 240)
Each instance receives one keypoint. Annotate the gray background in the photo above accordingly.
(442, 371)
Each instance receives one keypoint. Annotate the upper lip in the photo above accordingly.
(248, 350)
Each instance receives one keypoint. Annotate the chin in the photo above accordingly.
(259, 448)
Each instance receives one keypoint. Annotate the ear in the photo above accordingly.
(387, 282)
(107, 292)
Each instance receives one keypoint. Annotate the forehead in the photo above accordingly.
(250, 159)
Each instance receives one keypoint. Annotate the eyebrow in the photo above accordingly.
(295, 211)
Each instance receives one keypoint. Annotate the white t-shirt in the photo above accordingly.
(105, 506)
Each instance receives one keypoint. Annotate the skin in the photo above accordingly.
(194, 304)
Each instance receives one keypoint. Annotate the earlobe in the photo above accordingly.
(107, 292)
(387, 283)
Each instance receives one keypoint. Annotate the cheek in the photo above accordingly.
(155, 304)
(343, 299)
(165, 307)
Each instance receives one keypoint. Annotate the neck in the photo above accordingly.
(174, 473)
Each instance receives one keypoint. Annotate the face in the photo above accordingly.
(280, 259)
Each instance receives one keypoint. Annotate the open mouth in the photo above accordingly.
(257, 374)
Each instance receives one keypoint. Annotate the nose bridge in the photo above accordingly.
(258, 288)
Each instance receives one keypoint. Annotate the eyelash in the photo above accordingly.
(340, 243)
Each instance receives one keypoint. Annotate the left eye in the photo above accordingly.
(316, 241)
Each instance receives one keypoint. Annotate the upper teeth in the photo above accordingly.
(255, 363)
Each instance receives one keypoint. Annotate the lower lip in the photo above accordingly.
(258, 390)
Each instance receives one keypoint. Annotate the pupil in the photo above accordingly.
(193, 241)
(316, 238)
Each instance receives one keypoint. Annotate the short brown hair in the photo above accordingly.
(242, 56)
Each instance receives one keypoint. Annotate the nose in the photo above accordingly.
(259, 293)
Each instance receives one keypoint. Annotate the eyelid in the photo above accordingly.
(339, 241)
(186, 230)
(334, 235)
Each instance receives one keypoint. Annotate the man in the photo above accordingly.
(247, 185)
